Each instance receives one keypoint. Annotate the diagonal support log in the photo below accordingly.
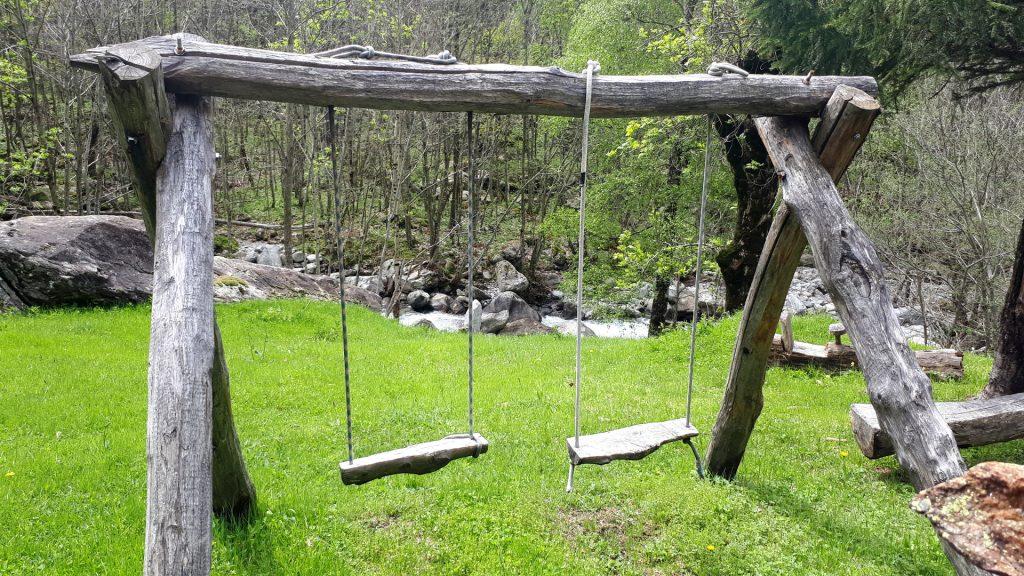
(133, 78)
(844, 126)
(852, 273)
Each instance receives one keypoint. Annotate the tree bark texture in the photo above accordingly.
(250, 73)
(179, 437)
(1007, 375)
(142, 117)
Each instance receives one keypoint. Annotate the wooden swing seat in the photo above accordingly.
(630, 443)
(416, 459)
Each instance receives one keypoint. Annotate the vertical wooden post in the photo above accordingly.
(133, 78)
(844, 126)
(179, 447)
(851, 271)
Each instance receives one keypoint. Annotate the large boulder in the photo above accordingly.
(524, 327)
(107, 260)
(516, 307)
(75, 260)
(419, 301)
(441, 302)
(493, 322)
(269, 254)
(508, 279)
(259, 282)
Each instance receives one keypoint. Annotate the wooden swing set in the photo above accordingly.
(159, 93)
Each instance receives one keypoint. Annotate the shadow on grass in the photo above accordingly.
(248, 543)
(864, 543)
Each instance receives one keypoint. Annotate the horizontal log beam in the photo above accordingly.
(253, 74)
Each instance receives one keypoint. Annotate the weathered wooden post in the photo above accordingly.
(844, 126)
(133, 78)
(852, 272)
(179, 447)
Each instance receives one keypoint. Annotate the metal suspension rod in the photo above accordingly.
(341, 276)
(471, 217)
(700, 261)
(591, 68)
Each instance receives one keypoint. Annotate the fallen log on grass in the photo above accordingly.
(973, 422)
(943, 363)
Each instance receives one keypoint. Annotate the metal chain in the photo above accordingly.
(341, 276)
(471, 217)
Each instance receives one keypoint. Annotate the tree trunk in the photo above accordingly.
(255, 74)
(843, 128)
(851, 271)
(140, 111)
(1008, 369)
(179, 440)
(756, 185)
(659, 306)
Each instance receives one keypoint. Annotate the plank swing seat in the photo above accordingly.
(637, 441)
(422, 458)
(630, 443)
(425, 457)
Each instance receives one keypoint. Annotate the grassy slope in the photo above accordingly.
(72, 420)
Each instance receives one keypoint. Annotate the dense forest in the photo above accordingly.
(937, 186)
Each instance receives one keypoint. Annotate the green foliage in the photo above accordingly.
(224, 244)
(73, 421)
(897, 40)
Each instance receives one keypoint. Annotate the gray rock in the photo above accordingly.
(419, 301)
(312, 257)
(298, 257)
(247, 252)
(569, 328)
(476, 318)
(311, 268)
(425, 323)
(493, 322)
(441, 302)
(75, 260)
(107, 260)
(508, 279)
(460, 305)
(524, 327)
(794, 304)
(910, 316)
(516, 307)
(277, 282)
(269, 254)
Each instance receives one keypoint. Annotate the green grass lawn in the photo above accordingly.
(72, 465)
